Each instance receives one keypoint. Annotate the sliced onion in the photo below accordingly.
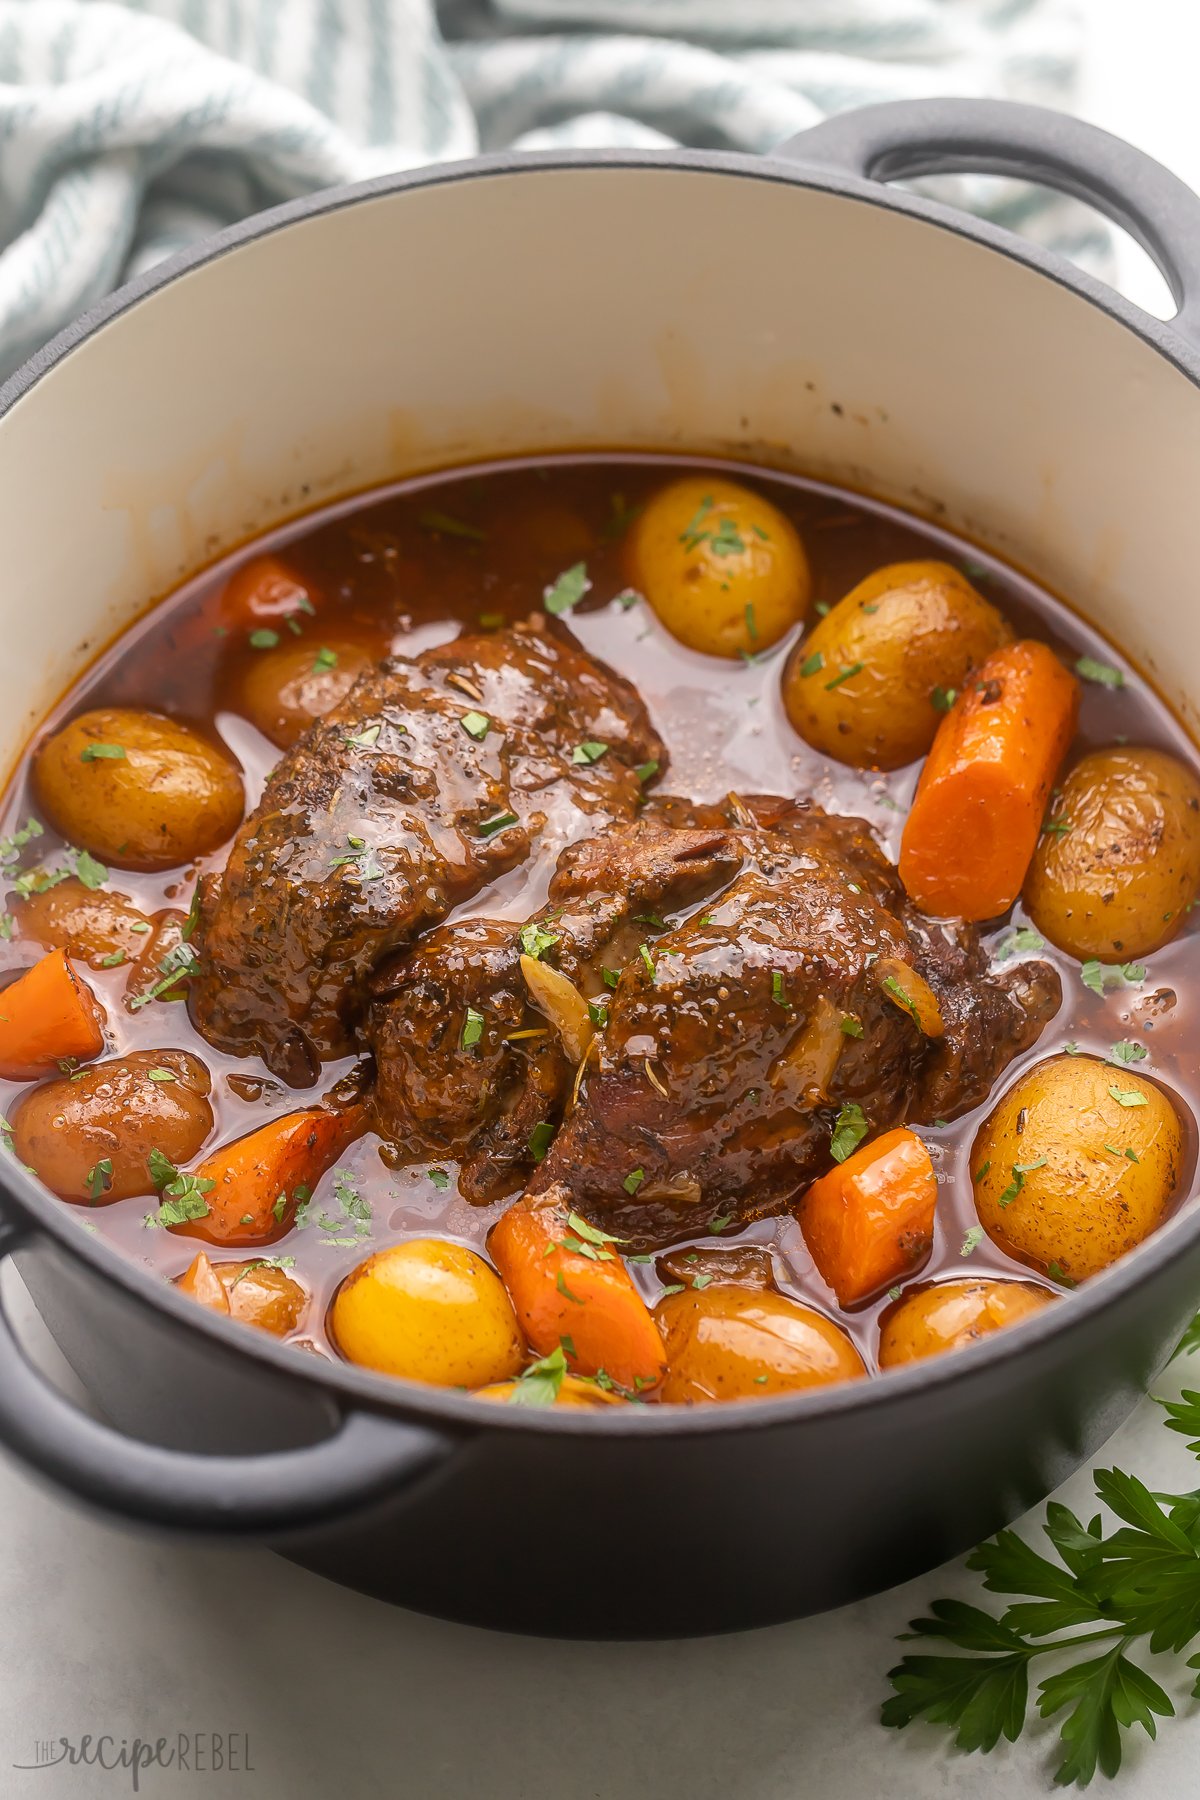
(555, 995)
(805, 1069)
(911, 993)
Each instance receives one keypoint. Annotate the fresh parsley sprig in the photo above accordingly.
(1103, 1599)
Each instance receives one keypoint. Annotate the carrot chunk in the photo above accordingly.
(569, 1286)
(870, 1221)
(981, 800)
(263, 591)
(47, 1016)
(251, 1188)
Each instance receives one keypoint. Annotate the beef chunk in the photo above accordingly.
(389, 813)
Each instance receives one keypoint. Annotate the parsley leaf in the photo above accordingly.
(568, 590)
(1088, 669)
(849, 1129)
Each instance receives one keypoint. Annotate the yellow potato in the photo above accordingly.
(734, 1343)
(951, 1314)
(573, 1391)
(724, 569)
(1118, 881)
(89, 1136)
(137, 789)
(94, 924)
(869, 684)
(429, 1311)
(284, 690)
(1076, 1165)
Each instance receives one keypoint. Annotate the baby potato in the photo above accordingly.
(284, 690)
(1076, 1165)
(573, 1391)
(724, 569)
(89, 1136)
(866, 685)
(1117, 882)
(734, 1343)
(93, 924)
(950, 1314)
(431, 1311)
(137, 789)
(257, 1292)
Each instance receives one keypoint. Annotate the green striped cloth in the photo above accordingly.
(129, 131)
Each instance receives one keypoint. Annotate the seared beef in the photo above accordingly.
(735, 1034)
(389, 813)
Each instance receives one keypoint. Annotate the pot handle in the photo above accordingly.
(900, 139)
(266, 1495)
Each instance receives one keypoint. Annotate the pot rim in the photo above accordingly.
(360, 1388)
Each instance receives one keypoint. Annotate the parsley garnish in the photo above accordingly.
(534, 941)
(1128, 1096)
(1128, 1052)
(177, 965)
(778, 994)
(324, 660)
(644, 953)
(439, 1178)
(634, 1180)
(589, 752)
(850, 1027)
(1088, 669)
(645, 770)
(812, 665)
(99, 1178)
(568, 590)
(540, 1139)
(1017, 942)
(472, 1029)
(1098, 975)
(846, 673)
(487, 828)
(538, 1385)
(263, 639)
(1019, 1172)
(102, 752)
(365, 739)
(849, 1129)
(943, 698)
(972, 1238)
(476, 725)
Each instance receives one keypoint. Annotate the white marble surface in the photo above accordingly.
(105, 1632)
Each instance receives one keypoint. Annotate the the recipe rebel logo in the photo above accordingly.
(187, 1753)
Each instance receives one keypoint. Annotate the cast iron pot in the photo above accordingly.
(792, 309)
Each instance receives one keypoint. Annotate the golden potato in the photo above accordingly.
(733, 1343)
(256, 1292)
(137, 789)
(430, 1311)
(284, 690)
(94, 925)
(1076, 1165)
(869, 684)
(1118, 881)
(724, 569)
(573, 1391)
(950, 1314)
(89, 1136)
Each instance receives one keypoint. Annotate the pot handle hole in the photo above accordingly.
(902, 139)
(365, 1458)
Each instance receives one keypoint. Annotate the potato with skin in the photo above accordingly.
(724, 570)
(95, 925)
(1076, 1166)
(256, 1292)
(733, 1343)
(136, 789)
(866, 685)
(948, 1315)
(1117, 881)
(89, 1136)
(285, 689)
(428, 1310)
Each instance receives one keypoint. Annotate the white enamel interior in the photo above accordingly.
(598, 307)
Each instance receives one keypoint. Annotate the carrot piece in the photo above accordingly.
(258, 1180)
(48, 1015)
(583, 1299)
(262, 591)
(200, 1280)
(870, 1220)
(980, 803)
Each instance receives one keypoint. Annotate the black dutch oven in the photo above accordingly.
(793, 309)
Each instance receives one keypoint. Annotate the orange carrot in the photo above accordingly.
(262, 591)
(569, 1286)
(981, 800)
(870, 1221)
(251, 1188)
(200, 1280)
(47, 1016)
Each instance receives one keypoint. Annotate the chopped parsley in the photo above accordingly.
(540, 1139)
(535, 941)
(644, 953)
(366, 739)
(846, 673)
(263, 638)
(1097, 975)
(634, 1180)
(1017, 942)
(1128, 1096)
(972, 1238)
(439, 1178)
(324, 660)
(943, 698)
(1019, 1172)
(99, 1178)
(645, 770)
(849, 1129)
(589, 752)
(177, 965)
(812, 665)
(102, 753)
(161, 1075)
(1128, 1052)
(539, 1384)
(568, 590)
(472, 1029)
(1088, 669)
(850, 1027)
(487, 828)
(778, 993)
(476, 725)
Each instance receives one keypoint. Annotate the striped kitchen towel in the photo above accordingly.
(130, 130)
